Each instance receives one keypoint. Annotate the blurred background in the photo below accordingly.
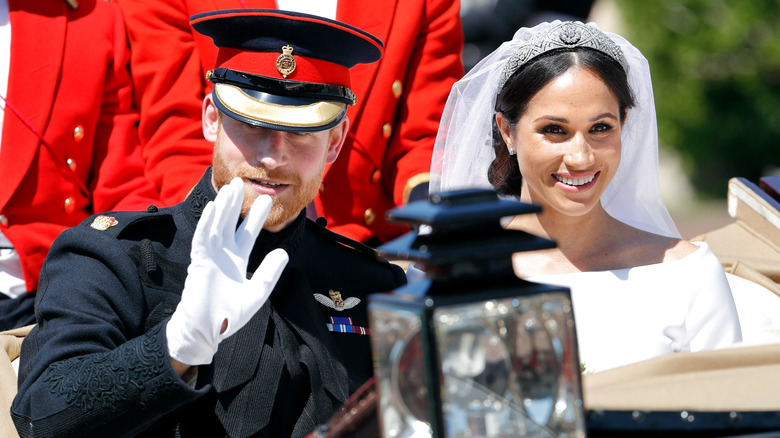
(716, 74)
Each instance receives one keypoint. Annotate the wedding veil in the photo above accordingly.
(463, 151)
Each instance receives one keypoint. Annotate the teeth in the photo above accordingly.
(574, 181)
(265, 184)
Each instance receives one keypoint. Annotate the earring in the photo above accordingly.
(511, 150)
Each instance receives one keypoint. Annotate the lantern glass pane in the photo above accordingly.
(400, 369)
(510, 368)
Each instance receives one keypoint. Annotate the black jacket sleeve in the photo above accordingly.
(93, 366)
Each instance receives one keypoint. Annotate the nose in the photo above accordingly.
(579, 154)
(271, 149)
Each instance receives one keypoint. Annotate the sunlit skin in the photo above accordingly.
(284, 165)
(568, 149)
(571, 129)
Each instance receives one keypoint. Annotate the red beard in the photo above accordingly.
(286, 207)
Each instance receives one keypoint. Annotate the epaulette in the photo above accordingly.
(117, 223)
(319, 228)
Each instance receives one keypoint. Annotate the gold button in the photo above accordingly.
(78, 133)
(71, 164)
(387, 130)
(3, 220)
(322, 188)
(69, 205)
(369, 217)
(398, 88)
(376, 176)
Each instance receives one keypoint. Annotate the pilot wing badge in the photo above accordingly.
(336, 302)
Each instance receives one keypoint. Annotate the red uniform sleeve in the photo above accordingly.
(168, 78)
(433, 68)
(117, 181)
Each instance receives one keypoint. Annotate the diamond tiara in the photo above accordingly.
(566, 35)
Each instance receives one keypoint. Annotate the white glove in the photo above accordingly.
(216, 288)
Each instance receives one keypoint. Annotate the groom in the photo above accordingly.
(178, 322)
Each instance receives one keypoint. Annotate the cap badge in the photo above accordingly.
(103, 223)
(336, 302)
(285, 63)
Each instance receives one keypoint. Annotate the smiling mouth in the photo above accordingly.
(574, 181)
(266, 183)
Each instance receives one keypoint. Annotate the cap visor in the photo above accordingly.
(285, 113)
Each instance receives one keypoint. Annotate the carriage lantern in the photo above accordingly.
(469, 349)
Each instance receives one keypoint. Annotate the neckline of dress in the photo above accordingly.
(702, 247)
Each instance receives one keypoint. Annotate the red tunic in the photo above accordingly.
(68, 79)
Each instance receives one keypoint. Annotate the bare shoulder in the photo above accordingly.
(663, 248)
(681, 249)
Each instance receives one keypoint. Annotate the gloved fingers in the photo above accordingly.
(269, 271)
(255, 292)
(252, 225)
(228, 208)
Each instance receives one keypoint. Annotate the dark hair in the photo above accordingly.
(522, 86)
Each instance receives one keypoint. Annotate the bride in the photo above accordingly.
(562, 116)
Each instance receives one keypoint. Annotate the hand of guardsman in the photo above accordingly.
(216, 289)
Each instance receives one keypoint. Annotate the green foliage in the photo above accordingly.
(716, 76)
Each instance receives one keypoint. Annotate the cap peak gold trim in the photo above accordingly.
(306, 116)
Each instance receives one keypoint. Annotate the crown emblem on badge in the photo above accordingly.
(285, 63)
(336, 302)
(103, 223)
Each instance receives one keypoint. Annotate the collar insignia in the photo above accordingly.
(103, 223)
(285, 63)
(336, 302)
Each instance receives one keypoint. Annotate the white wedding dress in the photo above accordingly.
(628, 315)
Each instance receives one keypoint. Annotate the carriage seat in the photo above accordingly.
(749, 250)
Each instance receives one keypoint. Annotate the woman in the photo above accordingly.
(563, 116)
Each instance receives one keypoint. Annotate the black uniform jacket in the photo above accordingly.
(97, 362)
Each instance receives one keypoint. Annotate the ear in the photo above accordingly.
(338, 135)
(504, 128)
(210, 119)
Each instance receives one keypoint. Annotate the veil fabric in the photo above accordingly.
(463, 150)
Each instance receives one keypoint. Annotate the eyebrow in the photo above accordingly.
(592, 119)
(604, 116)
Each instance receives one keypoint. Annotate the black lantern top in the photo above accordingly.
(458, 235)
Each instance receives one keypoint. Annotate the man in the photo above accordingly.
(175, 322)
(68, 141)
(385, 160)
